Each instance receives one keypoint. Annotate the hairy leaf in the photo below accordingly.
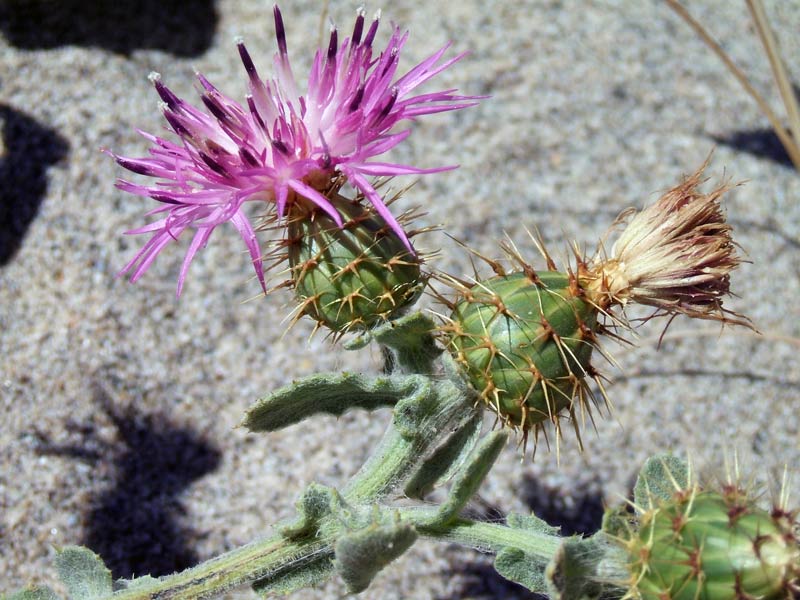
(84, 573)
(330, 394)
(524, 569)
(470, 477)
(446, 459)
(362, 554)
(660, 477)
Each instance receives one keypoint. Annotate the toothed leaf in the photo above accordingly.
(330, 394)
(532, 523)
(521, 568)
(314, 504)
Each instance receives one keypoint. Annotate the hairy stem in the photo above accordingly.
(418, 425)
(487, 537)
(245, 565)
(432, 410)
(273, 556)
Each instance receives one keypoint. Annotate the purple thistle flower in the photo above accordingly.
(283, 146)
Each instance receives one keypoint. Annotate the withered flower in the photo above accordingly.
(676, 255)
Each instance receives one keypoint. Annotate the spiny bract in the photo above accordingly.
(352, 276)
(525, 340)
(707, 545)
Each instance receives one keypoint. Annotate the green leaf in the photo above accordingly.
(130, 584)
(84, 573)
(661, 476)
(518, 566)
(446, 459)
(470, 477)
(531, 523)
(617, 522)
(587, 569)
(327, 393)
(310, 574)
(362, 554)
(420, 415)
(524, 569)
(33, 593)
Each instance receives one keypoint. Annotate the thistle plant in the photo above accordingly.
(519, 342)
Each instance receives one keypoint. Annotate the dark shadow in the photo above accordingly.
(758, 142)
(584, 517)
(136, 523)
(180, 27)
(27, 150)
(479, 581)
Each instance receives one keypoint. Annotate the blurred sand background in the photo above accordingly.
(119, 404)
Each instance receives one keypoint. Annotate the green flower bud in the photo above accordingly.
(703, 545)
(525, 340)
(354, 276)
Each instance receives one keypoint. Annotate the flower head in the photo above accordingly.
(676, 255)
(283, 147)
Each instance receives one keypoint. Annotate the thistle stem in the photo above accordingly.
(269, 557)
(419, 423)
(487, 537)
(242, 566)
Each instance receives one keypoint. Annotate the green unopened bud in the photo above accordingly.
(713, 546)
(525, 340)
(354, 276)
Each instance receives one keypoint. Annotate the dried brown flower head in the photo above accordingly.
(675, 255)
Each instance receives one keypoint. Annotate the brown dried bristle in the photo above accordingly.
(676, 255)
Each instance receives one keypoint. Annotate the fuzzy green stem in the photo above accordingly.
(241, 566)
(274, 555)
(418, 425)
(417, 428)
(487, 537)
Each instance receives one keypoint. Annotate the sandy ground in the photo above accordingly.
(119, 403)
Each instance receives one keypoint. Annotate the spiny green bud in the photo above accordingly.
(525, 340)
(713, 546)
(352, 276)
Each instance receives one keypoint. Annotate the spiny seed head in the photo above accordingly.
(676, 255)
(525, 340)
(715, 545)
(354, 275)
